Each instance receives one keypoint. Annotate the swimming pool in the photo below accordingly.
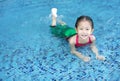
(29, 52)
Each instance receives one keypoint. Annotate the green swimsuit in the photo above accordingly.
(63, 31)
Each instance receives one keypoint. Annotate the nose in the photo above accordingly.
(84, 31)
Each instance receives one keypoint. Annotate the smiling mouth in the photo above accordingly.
(84, 36)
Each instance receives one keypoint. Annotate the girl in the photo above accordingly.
(80, 36)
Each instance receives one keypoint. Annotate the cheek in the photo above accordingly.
(79, 31)
(90, 32)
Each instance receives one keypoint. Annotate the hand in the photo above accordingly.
(86, 59)
(100, 57)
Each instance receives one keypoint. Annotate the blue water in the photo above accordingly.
(29, 52)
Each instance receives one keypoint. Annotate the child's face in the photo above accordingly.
(84, 29)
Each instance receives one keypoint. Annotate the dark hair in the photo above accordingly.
(81, 18)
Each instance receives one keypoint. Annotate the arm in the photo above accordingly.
(95, 50)
(78, 54)
(74, 51)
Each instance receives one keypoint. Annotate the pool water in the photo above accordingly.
(29, 52)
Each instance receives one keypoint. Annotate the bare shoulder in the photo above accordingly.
(72, 40)
(92, 37)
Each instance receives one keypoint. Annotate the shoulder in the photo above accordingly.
(92, 37)
(72, 40)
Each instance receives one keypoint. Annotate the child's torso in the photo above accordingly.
(77, 44)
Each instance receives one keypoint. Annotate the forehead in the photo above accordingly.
(84, 23)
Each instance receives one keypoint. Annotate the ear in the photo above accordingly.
(76, 29)
(92, 30)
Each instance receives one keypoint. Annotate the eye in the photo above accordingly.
(81, 28)
(87, 29)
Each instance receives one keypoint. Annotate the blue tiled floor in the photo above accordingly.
(29, 52)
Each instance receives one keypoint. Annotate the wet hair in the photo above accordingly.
(82, 18)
